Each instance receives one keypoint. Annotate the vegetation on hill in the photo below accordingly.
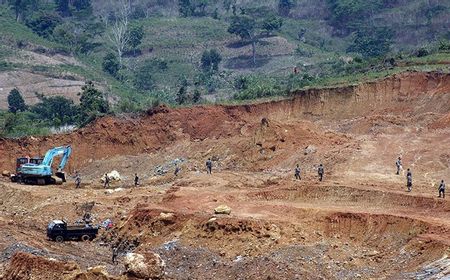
(142, 52)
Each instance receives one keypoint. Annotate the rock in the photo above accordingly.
(113, 176)
(168, 218)
(6, 173)
(222, 209)
(98, 270)
(310, 149)
(146, 266)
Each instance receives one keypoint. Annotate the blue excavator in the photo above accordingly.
(38, 171)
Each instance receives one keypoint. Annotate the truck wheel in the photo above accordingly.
(59, 239)
(85, 237)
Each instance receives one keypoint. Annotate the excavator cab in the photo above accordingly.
(36, 160)
(21, 161)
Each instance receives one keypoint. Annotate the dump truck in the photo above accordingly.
(59, 231)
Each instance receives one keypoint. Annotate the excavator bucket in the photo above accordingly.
(61, 175)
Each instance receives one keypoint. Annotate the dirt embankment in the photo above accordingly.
(407, 93)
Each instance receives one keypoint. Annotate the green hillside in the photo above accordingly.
(189, 51)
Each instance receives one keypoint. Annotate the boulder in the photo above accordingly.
(6, 173)
(144, 266)
(113, 176)
(222, 209)
(310, 149)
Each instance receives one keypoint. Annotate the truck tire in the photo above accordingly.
(59, 239)
(85, 238)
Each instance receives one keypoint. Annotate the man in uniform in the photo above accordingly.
(77, 180)
(297, 172)
(320, 171)
(398, 163)
(442, 189)
(209, 166)
(409, 180)
(136, 180)
(106, 181)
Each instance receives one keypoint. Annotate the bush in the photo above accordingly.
(210, 60)
(21, 124)
(422, 52)
(44, 24)
(258, 87)
(373, 42)
(143, 76)
(111, 64)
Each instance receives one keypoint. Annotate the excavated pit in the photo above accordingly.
(359, 223)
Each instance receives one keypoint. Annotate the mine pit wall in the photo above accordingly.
(410, 92)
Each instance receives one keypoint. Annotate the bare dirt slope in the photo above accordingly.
(359, 223)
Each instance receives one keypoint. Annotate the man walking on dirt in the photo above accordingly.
(209, 166)
(297, 172)
(398, 163)
(409, 180)
(77, 180)
(442, 189)
(177, 170)
(320, 171)
(136, 180)
(115, 252)
(106, 181)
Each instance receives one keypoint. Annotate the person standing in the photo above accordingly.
(77, 180)
(106, 184)
(136, 180)
(209, 166)
(409, 180)
(320, 171)
(398, 163)
(442, 189)
(297, 172)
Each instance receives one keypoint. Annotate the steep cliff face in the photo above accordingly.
(410, 95)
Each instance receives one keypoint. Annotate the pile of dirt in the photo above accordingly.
(24, 266)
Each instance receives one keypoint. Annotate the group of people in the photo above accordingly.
(320, 172)
(297, 175)
(106, 182)
(398, 164)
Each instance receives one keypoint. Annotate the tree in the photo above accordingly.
(181, 97)
(245, 27)
(92, 104)
(119, 31)
(373, 42)
(81, 4)
(21, 7)
(44, 24)
(184, 8)
(143, 77)
(197, 95)
(285, 6)
(111, 64)
(210, 60)
(62, 6)
(57, 110)
(272, 24)
(16, 102)
(196, 8)
(135, 35)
